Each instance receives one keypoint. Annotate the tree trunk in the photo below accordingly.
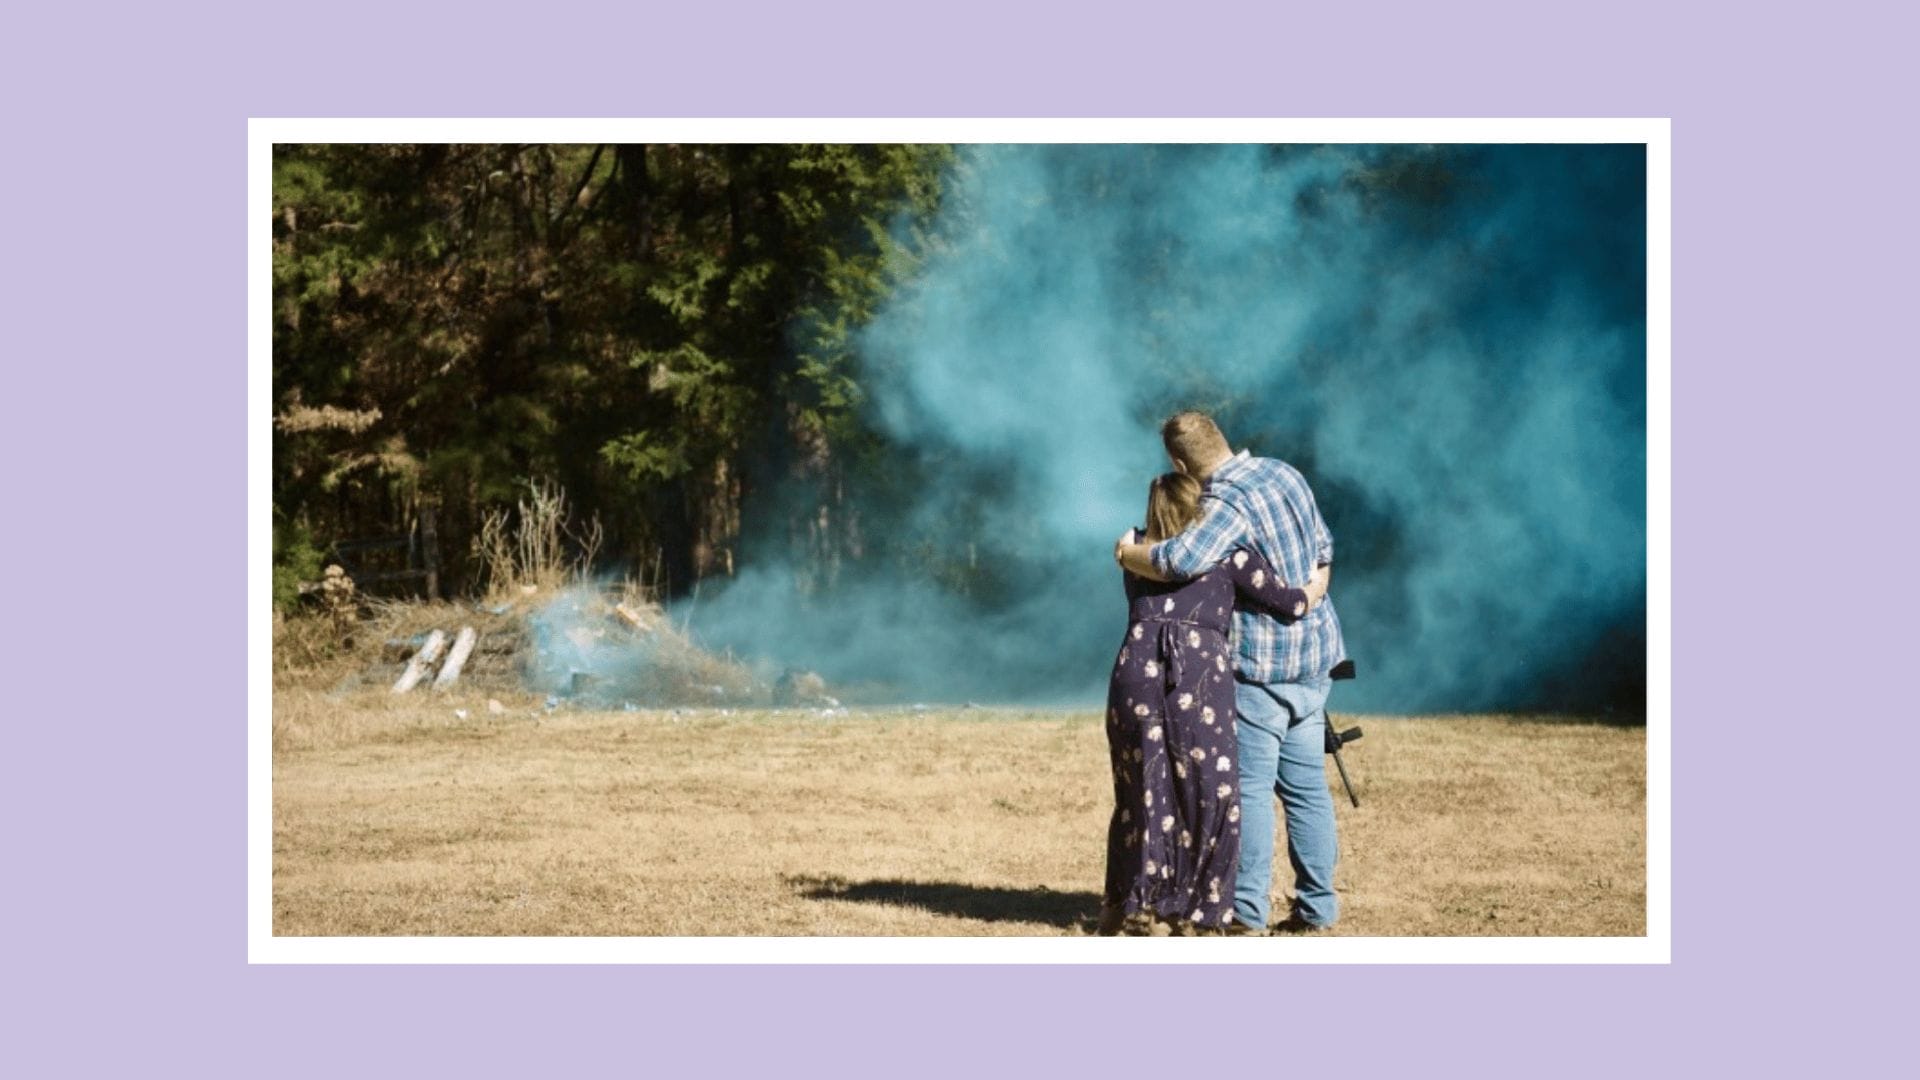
(430, 549)
(716, 521)
(637, 191)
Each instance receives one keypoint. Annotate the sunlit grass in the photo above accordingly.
(396, 816)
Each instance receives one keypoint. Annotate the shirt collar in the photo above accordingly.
(1230, 466)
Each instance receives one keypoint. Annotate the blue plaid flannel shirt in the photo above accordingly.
(1264, 505)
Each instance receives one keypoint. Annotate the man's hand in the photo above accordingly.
(1316, 586)
(1135, 558)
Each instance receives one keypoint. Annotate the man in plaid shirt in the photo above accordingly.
(1280, 669)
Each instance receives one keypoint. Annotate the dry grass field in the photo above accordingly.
(396, 816)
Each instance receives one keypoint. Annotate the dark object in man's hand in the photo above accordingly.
(1337, 738)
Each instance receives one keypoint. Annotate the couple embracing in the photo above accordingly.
(1218, 697)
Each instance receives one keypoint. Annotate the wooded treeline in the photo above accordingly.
(663, 330)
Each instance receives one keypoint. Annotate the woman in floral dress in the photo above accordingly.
(1174, 838)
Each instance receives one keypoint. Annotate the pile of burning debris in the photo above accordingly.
(593, 647)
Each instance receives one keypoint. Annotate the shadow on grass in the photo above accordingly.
(983, 902)
(1620, 719)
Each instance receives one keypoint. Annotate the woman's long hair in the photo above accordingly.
(1173, 502)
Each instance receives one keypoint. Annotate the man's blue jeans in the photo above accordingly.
(1283, 730)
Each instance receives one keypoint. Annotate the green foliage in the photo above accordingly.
(638, 456)
(296, 560)
(648, 325)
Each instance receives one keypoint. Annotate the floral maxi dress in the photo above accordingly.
(1174, 839)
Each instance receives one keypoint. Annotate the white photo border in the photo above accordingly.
(264, 947)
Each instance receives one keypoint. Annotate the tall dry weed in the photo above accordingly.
(537, 545)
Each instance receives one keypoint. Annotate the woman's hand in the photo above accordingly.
(1316, 586)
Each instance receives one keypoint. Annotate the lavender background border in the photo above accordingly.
(125, 800)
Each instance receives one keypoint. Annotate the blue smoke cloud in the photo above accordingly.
(1448, 341)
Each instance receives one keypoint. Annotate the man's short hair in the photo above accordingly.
(1193, 440)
